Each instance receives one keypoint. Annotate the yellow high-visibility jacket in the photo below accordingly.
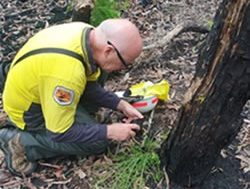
(50, 71)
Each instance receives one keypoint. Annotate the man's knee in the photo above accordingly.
(98, 147)
(85, 149)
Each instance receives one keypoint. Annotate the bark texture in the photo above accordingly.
(209, 119)
(82, 10)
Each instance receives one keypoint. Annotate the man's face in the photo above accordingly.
(122, 60)
(112, 64)
(114, 60)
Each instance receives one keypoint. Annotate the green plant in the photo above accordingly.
(133, 168)
(104, 9)
(70, 6)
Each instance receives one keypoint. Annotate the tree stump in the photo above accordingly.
(82, 11)
(221, 87)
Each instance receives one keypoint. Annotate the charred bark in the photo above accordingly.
(214, 101)
(82, 11)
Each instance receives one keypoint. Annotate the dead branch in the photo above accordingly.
(179, 29)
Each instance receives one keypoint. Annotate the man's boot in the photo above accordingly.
(15, 157)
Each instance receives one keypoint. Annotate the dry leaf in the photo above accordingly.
(81, 174)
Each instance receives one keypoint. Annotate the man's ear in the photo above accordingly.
(108, 49)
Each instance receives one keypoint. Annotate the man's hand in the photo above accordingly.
(122, 131)
(129, 111)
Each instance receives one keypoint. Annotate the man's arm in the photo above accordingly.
(80, 132)
(96, 94)
(88, 133)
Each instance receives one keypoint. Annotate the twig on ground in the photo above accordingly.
(181, 28)
(11, 184)
(58, 183)
(166, 178)
(50, 165)
(150, 120)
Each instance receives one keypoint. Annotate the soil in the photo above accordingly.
(174, 61)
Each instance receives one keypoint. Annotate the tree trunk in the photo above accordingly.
(214, 101)
(82, 10)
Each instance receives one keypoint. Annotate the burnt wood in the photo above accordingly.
(210, 117)
(82, 11)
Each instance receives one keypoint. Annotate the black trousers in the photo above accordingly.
(38, 145)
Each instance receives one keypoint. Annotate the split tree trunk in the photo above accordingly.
(220, 89)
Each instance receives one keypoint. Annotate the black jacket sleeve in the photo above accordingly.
(98, 95)
(84, 133)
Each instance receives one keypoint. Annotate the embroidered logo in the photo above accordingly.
(63, 96)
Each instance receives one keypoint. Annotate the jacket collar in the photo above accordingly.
(90, 65)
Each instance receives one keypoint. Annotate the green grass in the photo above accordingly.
(132, 168)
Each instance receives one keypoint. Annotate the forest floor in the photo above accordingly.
(173, 60)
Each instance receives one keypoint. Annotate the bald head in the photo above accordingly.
(124, 35)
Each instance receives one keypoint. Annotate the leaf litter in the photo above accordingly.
(174, 60)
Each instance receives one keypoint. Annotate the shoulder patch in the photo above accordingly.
(63, 96)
